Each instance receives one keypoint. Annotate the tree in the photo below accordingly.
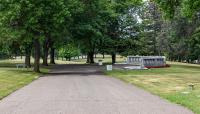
(35, 18)
(182, 29)
(120, 8)
(89, 30)
(195, 45)
(188, 7)
(69, 50)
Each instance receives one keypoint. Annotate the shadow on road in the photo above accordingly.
(76, 69)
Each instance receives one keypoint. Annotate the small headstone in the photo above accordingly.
(100, 62)
(191, 87)
(109, 67)
(185, 92)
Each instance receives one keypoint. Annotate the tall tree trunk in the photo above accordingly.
(28, 57)
(103, 56)
(52, 56)
(113, 58)
(45, 52)
(37, 55)
(28, 61)
(91, 57)
(88, 58)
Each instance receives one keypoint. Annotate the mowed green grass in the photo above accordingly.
(169, 83)
(12, 79)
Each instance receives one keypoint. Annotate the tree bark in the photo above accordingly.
(113, 58)
(28, 61)
(37, 55)
(27, 57)
(45, 52)
(90, 57)
(103, 56)
(52, 56)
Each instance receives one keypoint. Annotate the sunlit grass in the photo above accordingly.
(12, 78)
(169, 83)
(107, 59)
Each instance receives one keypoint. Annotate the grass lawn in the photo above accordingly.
(107, 59)
(12, 79)
(169, 83)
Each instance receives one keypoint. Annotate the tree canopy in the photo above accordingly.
(68, 28)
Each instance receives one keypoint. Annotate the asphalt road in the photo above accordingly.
(83, 89)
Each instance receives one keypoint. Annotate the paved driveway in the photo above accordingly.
(82, 89)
